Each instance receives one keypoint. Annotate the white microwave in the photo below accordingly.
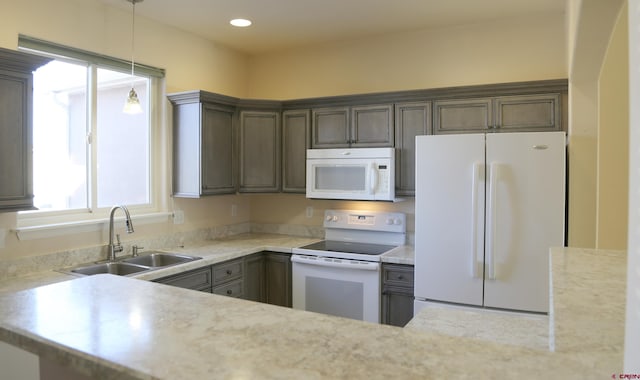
(351, 173)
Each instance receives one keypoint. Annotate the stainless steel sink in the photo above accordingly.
(148, 261)
(160, 259)
(119, 268)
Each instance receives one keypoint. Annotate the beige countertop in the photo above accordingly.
(516, 329)
(588, 307)
(107, 326)
(211, 251)
(122, 327)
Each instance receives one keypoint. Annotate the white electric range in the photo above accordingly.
(341, 274)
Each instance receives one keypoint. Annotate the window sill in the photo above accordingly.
(68, 228)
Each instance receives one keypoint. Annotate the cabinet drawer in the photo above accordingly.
(231, 289)
(398, 275)
(227, 271)
(199, 279)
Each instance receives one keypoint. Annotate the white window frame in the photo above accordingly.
(51, 223)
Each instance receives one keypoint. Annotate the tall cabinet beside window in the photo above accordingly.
(204, 160)
(16, 113)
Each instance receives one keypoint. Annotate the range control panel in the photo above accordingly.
(365, 220)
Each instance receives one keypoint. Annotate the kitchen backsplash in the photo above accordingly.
(32, 264)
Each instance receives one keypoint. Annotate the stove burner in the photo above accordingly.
(349, 247)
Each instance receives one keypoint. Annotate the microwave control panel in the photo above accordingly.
(383, 179)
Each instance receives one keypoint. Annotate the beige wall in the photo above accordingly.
(613, 140)
(591, 35)
(530, 48)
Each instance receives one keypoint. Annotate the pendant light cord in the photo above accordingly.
(133, 33)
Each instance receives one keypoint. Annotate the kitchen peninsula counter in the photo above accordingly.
(107, 326)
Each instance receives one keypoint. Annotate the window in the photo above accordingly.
(88, 155)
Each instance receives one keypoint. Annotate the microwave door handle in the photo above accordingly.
(374, 178)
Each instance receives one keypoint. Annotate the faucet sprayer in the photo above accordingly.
(117, 247)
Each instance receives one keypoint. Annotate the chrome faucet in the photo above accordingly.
(117, 247)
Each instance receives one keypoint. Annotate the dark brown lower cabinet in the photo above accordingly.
(254, 274)
(268, 278)
(277, 270)
(397, 294)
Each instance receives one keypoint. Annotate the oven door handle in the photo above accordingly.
(336, 263)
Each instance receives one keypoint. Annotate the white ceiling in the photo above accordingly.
(284, 24)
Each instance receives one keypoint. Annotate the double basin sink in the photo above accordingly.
(146, 262)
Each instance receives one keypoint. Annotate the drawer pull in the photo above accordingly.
(229, 291)
(401, 277)
(229, 271)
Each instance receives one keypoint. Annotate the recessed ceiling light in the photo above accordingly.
(240, 22)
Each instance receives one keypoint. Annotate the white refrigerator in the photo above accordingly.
(488, 208)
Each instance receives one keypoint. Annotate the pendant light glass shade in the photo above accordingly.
(132, 104)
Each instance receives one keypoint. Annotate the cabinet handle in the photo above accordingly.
(229, 291)
(229, 271)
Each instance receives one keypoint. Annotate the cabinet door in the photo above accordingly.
(295, 141)
(16, 186)
(203, 150)
(528, 113)
(397, 306)
(372, 126)
(463, 115)
(278, 278)
(217, 151)
(259, 151)
(412, 119)
(254, 281)
(330, 127)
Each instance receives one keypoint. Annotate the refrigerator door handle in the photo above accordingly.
(491, 241)
(475, 183)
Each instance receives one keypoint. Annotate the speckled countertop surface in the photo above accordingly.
(117, 327)
(211, 251)
(588, 306)
(517, 329)
(111, 326)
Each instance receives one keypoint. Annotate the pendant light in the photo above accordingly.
(132, 104)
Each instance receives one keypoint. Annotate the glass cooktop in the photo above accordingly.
(349, 247)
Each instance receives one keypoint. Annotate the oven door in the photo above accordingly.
(340, 287)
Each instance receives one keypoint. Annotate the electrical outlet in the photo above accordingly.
(178, 217)
(234, 210)
(309, 212)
